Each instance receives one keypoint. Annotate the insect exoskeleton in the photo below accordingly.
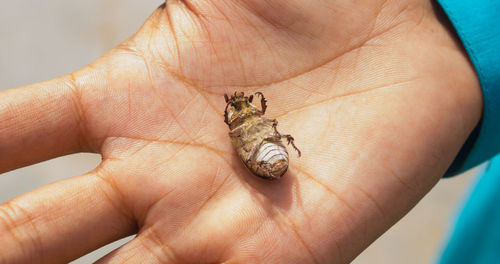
(256, 138)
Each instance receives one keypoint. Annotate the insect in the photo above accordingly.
(255, 137)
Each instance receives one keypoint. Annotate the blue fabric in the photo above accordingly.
(476, 236)
(477, 23)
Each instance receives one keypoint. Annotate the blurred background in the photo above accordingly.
(40, 40)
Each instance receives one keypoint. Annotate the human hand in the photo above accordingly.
(378, 96)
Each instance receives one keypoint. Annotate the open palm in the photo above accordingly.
(378, 96)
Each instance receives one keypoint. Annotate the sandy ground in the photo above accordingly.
(44, 39)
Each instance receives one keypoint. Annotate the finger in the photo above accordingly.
(39, 122)
(63, 221)
(141, 249)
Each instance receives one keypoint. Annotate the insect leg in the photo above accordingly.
(226, 98)
(275, 124)
(262, 102)
(225, 113)
(289, 138)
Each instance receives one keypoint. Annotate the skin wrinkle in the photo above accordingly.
(10, 211)
(272, 52)
(184, 109)
(120, 206)
(212, 182)
(266, 204)
(153, 236)
(9, 215)
(129, 47)
(171, 156)
(90, 142)
(334, 194)
(214, 108)
(8, 122)
(7, 220)
(330, 123)
(113, 257)
(357, 54)
(399, 179)
(418, 20)
(210, 43)
(275, 215)
(171, 73)
(96, 69)
(154, 24)
(155, 239)
(256, 231)
(150, 81)
(199, 90)
(324, 101)
(202, 91)
(176, 40)
(371, 198)
(310, 92)
(377, 17)
(129, 99)
(165, 104)
(240, 58)
(202, 118)
(325, 187)
(163, 64)
(185, 144)
(192, 9)
(370, 37)
(293, 226)
(142, 219)
(220, 153)
(35, 236)
(186, 82)
(203, 115)
(286, 28)
(255, 29)
(148, 69)
(183, 29)
(212, 195)
(422, 18)
(78, 112)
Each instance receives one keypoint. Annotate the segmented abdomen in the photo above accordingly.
(271, 152)
(272, 158)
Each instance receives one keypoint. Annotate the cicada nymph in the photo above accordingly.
(255, 137)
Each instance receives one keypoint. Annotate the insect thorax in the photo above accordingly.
(245, 114)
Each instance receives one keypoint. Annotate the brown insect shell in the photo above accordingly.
(250, 131)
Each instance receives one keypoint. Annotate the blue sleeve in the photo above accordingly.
(476, 234)
(477, 23)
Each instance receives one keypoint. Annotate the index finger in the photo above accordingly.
(40, 122)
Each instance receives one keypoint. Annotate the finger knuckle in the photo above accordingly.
(18, 226)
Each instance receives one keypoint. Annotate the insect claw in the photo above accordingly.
(263, 102)
(290, 139)
(226, 118)
(226, 98)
